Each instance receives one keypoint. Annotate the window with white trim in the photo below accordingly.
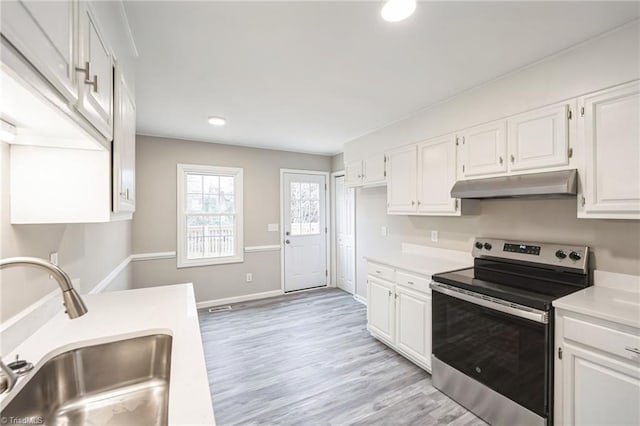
(209, 215)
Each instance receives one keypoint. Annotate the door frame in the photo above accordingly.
(334, 234)
(328, 222)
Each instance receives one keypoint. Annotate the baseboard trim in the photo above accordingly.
(237, 299)
(153, 256)
(255, 249)
(360, 299)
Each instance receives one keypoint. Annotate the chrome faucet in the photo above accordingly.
(73, 303)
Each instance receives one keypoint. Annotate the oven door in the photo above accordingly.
(492, 343)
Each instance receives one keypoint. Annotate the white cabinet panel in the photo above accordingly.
(599, 390)
(413, 324)
(381, 308)
(124, 151)
(353, 173)
(374, 170)
(43, 31)
(401, 184)
(539, 139)
(96, 82)
(437, 175)
(609, 127)
(484, 149)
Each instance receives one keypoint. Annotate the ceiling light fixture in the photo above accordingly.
(397, 10)
(217, 121)
(7, 131)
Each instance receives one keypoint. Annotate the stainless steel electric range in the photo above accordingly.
(493, 327)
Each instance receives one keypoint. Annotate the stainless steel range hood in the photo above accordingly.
(549, 184)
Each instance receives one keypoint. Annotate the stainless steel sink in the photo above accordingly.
(125, 382)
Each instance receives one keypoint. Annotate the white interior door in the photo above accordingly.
(345, 221)
(305, 239)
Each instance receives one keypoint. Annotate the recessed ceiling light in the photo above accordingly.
(397, 10)
(7, 131)
(217, 121)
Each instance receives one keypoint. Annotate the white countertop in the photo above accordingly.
(606, 303)
(427, 263)
(125, 314)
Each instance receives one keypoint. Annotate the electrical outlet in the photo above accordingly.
(383, 231)
(249, 277)
(272, 227)
(434, 236)
(53, 258)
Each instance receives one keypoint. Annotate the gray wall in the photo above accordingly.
(615, 243)
(88, 252)
(608, 60)
(154, 224)
(337, 162)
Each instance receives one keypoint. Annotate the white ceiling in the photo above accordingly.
(310, 76)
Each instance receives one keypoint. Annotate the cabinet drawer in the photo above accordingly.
(381, 271)
(412, 281)
(604, 338)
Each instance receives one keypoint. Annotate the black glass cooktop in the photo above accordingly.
(524, 285)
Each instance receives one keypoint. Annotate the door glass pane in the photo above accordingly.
(304, 208)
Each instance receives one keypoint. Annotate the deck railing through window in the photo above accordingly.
(209, 241)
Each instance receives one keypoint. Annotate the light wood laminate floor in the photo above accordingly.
(307, 359)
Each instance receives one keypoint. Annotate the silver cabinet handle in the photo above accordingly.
(410, 282)
(413, 203)
(513, 159)
(87, 76)
(378, 272)
(419, 202)
(287, 242)
(125, 194)
(389, 293)
(501, 160)
(634, 350)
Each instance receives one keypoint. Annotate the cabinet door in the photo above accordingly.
(598, 389)
(96, 82)
(413, 323)
(437, 175)
(124, 150)
(401, 180)
(353, 173)
(484, 149)
(381, 308)
(539, 139)
(374, 170)
(610, 132)
(43, 31)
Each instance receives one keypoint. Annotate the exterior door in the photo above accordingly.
(345, 221)
(305, 239)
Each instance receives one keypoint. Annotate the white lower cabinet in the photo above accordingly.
(597, 372)
(381, 308)
(400, 316)
(413, 323)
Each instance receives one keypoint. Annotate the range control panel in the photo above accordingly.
(568, 256)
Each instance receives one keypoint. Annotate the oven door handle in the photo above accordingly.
(492, 303)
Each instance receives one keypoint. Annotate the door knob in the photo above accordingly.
(287, 233)
(287, 241)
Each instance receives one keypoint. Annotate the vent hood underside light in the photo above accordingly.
(539, 185)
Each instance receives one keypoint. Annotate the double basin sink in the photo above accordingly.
(125, 382)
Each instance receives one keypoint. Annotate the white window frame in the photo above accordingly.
(181, 247)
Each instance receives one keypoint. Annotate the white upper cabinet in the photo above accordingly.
(436, 175)
(124, 150)
(43, 32)
(95, 73)
(353, 173)
(374, 170)
(402, 183)
(484, 149)
(539, 139)
(368, 172)
(609, 129)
